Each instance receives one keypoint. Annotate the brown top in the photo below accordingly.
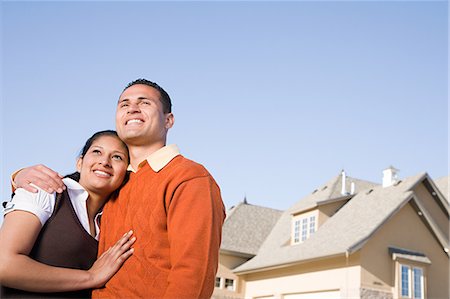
(62, 242)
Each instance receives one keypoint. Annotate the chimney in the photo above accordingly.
(389, 176)
(343, 189)
(352, 188)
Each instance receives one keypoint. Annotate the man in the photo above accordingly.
(172, 204)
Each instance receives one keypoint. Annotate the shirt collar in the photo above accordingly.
(78, 196)
(72, 184)
(75, 190)
(159, 159)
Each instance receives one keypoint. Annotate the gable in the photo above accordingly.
(351, 226)
(408, 231)
(442, 185)
(428, 202)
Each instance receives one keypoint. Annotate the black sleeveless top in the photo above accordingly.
(62, 242)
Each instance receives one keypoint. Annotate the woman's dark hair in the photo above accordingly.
(76, 175)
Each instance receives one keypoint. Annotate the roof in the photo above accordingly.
(344, 233)
(246, 227)
(408, 255)
(330, 191)
(442, 184)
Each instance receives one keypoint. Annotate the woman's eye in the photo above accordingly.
(119, 158)
(96, 151)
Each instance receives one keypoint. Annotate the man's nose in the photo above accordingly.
(133, 108)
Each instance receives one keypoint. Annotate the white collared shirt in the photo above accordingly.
(159, 159)
(42, 204)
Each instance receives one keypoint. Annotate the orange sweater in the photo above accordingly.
(176, 215)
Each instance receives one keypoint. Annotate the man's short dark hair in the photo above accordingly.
(164, 96)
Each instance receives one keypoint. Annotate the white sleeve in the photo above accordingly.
(40, 204)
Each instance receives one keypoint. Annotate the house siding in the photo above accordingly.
(429, 203)
(329, 275)
(404, 230)
(328, 210)
(226, 263)
(371, 223)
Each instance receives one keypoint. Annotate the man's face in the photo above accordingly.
(140, 119)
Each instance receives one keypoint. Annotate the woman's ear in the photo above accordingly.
(79, 162)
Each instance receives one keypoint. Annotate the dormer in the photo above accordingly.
(309, 214)
(304, 225)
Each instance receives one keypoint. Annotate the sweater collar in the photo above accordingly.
(159, 159)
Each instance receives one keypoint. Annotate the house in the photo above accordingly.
(244, 230)
(355, 239)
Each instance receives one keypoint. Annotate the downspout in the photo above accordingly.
(347, 253)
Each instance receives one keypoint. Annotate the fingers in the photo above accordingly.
(41, 176)
(112, 260)
(126, 239)
(124, 256)
(29, 188)
(122, 249)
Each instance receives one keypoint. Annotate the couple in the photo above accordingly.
(171, 204)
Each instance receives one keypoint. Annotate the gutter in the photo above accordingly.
(288, 264)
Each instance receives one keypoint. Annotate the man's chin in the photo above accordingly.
(134, 140)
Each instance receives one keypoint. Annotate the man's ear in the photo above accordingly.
(170, 120)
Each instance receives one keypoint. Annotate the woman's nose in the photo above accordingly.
(105, 161)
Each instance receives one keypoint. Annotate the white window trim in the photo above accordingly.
(401, 281)
(411, 289)
(221, 282)
(296, 238)
(233, 289)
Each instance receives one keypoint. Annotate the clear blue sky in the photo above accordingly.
(273, 98)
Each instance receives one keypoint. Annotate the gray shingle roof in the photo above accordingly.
(329, 191)
(442, 184)
(346, 231)
(246, 227)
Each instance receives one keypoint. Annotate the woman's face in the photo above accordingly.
(103, 167)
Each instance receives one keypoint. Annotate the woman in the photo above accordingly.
(48, 242)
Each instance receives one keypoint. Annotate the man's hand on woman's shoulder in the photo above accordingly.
(39, 175)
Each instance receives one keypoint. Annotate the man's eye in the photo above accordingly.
(146, 102)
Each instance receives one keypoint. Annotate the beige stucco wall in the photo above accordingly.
(328, 210)
(227, 262)
(433, 208)
(404, 230)
(336, 274)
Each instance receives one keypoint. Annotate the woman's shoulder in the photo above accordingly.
(40, 203)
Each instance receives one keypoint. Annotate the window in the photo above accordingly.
(418, 283)
(405, 281)
(229, 284)
(225, 283)
(217, 285)
(297, 231)
(303, 227)
(312, 225)
(411, 282)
